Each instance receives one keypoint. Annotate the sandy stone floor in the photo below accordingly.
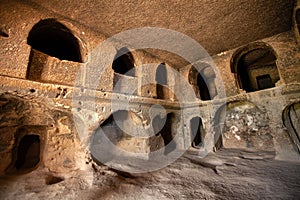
(227, 174)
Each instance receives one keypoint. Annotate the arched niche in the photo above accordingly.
(197, 132)
(27, 154)
(161, 79)
(50, 37)
(255, 67)
(124, 62)
(203, 82)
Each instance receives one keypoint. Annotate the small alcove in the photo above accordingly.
(161, 79)
(203, 86)
(124, 62)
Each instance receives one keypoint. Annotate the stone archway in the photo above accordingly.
(50, 38)
(197, 132)
(255, 67)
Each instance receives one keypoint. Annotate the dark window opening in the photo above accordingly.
(264, 82)
(28, 152)
(256, 68)
(161, 81)
(197, 135)
(123, 62)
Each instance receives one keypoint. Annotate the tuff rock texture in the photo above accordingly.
(81, 120)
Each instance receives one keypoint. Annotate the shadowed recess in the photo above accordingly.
(3, 34)
(161, 81)
(124, 62)
(199, 84)
(255, 67)
(28, 152)
(50, 180)
(166, 132)
(197, 132)
(54, 39)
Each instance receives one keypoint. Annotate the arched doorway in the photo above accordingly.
(197, 132)
(297, 18)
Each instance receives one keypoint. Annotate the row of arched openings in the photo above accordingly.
(51, 38)
(254, 65)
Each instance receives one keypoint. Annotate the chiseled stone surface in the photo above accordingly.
(247, 144)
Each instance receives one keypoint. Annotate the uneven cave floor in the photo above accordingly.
(226, 174)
